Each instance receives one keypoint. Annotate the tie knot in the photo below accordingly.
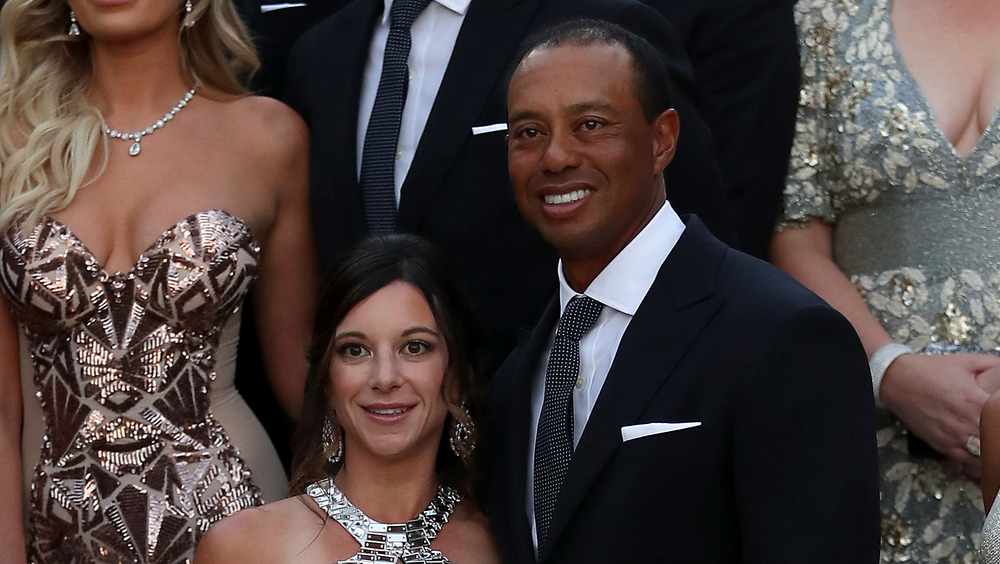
(580, 315)
(404, 12)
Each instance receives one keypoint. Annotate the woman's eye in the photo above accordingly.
(416, 347)
(352, 350)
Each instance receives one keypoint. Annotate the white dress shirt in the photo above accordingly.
(621, 287)
(433, 37)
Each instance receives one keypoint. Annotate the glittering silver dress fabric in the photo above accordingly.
(989, 552)
(917, 230)
(133, 467)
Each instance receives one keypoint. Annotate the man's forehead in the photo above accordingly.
(543, 54)
(591, 70)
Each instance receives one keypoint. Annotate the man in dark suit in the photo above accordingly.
(694, 404)
(456, 190)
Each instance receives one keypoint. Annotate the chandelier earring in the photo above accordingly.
(74, 28)
(333, 444)
(462, 434)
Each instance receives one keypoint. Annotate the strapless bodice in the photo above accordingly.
(133, 466)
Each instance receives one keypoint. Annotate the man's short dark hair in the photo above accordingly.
(651, 82)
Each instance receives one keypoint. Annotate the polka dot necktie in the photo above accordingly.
(554, 443)
(378, 157)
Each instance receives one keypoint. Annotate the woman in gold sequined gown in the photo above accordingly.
(891, 215)
(123, 267)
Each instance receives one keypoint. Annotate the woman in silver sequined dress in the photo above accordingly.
(141, 193)
(892, 214)
(385, 455)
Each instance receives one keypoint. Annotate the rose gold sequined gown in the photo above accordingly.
(135, 439)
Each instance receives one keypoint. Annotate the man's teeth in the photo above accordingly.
(567, 198)
(392, 411)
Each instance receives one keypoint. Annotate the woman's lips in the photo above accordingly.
(387, 413)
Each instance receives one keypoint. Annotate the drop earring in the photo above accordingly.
(188, 8)
(74, 28)
(333, 444)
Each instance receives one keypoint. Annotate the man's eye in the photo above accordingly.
(591, 124)
(529, 132)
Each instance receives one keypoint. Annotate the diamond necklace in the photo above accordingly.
(136, 137)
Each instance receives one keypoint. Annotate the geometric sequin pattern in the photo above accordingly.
(133, 467)
(916, 228)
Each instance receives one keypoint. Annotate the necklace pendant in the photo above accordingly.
(134, 149)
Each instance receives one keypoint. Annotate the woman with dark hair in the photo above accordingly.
(142, 193)
(386, 446)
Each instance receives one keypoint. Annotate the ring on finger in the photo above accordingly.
(973, 445)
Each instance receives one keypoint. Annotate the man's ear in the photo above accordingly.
(666, 126)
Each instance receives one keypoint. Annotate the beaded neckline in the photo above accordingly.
(407, 542)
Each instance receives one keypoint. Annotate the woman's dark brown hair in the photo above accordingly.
(374, 264)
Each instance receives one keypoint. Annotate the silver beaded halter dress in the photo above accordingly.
(131, 422)
(402, 543)
(917, 231)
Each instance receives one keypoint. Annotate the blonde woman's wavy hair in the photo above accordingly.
(49, 133)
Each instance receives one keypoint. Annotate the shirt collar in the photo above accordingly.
(457, 6)
(624, 282)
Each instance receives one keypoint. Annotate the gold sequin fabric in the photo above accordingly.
(916, 231)
(133, 467)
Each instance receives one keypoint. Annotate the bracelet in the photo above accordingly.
(880, 361)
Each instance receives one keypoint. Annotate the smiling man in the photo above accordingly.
(679, 401)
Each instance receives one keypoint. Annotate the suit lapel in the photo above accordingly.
(490, 33)
(524, 367)
(343, 77)
(671, 316)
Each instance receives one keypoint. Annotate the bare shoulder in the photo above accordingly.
(468, 537)
(271, 533)
(267, 124)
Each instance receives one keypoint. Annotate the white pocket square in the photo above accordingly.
(265, 8)
(480, 129)
(630, 432)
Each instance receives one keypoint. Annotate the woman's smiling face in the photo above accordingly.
(387, 370)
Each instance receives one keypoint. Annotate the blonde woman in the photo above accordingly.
(141, 192)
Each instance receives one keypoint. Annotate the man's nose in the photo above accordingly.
(560, 152)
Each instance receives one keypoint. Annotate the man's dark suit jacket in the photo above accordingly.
(782, 469)
(457, 191)
(276, 31)
(746, 64)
